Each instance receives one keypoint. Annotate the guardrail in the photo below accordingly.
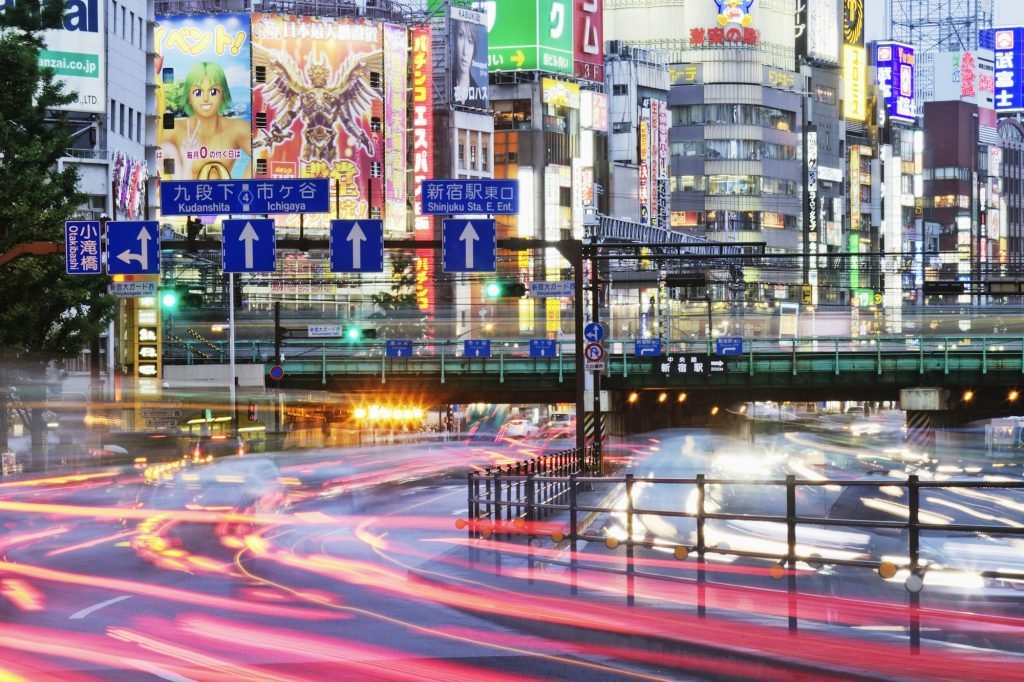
(509, 504)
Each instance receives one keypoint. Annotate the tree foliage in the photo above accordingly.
(399, 315)
(45, 314)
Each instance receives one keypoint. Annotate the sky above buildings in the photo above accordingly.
(1007, 12)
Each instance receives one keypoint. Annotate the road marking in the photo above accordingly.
(78, 615)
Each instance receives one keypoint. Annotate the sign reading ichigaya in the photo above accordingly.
(690, 364)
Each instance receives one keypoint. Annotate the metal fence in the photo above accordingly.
(505, 504)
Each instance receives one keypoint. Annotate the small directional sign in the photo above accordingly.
(398, 348)
(690, 364)
(593, 332)
(469, 245)
(476, 348)
(477, 196)
(543, 348)
(133, 247)
(647, 347)
(249, 246)
(357, 246)
(82, 247)
(729, 345)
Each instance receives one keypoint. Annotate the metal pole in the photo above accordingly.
(596, 317)
(231, 348)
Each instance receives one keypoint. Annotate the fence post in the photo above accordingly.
(791, 548)
(630, 569)
(914, 547)
(701, 577)
(573, 589)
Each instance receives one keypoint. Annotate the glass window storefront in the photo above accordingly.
(735, 114)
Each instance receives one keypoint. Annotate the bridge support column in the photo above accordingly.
(931, 419)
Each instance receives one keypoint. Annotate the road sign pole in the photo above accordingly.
(595, 317)
(231, 348)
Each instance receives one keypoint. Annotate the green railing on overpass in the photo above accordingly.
(904, 360)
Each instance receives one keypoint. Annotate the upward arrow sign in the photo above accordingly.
(469, 236)
(357, 237)
(248, 236)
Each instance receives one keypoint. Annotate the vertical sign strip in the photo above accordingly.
(395, 68)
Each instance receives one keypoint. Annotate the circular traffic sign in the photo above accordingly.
(593, 332)
(594, 352)
(277, 372)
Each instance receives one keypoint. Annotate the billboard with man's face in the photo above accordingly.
(469, 59)
(203, 115)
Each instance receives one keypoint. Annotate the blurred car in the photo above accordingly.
(208, 448)
(558, 425)
(517, 428)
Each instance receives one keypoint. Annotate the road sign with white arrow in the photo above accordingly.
(357, 246)
(133, 247)
(249, 245)
(469, 245)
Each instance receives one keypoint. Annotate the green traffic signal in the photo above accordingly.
(504, 289)
(169, 298)
(354, 333)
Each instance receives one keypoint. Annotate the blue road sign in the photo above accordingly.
(398, 348)
(647, 347)
(357, 246)
(133, 247)
(224, 197)
(593, 332)
(469, 246)
(248, 246)
(729, 345)
(476, 348)
(475, 197)
(543, 348)
(277, 372)
(82, 248)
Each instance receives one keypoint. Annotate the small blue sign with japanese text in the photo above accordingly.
(729, 345)
(82, 247)
(398, 348)
(543, 348)
(473, 197)
(476, 348)
(647, 347)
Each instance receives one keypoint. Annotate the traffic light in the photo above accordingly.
(180, 297)
(356, 333)
(252, 412)
(504, 289)
(169, 298)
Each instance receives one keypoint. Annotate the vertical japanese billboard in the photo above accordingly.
(75, 53)
(469, 58)
(530, 35)
(202, 107)
(822, 30)
(422, 125)
(588, 42)
(396, 58)
(314, 100)
(855, 96)
(894, 68)
(1008, 73)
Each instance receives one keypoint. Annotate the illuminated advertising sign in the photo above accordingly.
(588, 51)
(811, 204)
(1008, 45)
(644, 141)
(854, 187)
(313, 103)
(76, 54)
(820, 29)
(203, 126)
(853, 22)
(422, 124)
(530, 35)
(894, 67)
(469, 59)
(967, 76)
(855, 103)
(395, 69)
(560, 93)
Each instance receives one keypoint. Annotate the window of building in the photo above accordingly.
(124, 13)
(686, 183)
(462, 155)
(824, 94)
(620, 89)
(484, 159)
(131, 123)
(113, 18)
(138, 126)
(472, 156)
(513, 115)
(120, 117)
(622, 127)
(375, 169)
(132, 21)
(113, 115)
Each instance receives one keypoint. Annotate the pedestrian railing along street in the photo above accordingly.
(954, 540)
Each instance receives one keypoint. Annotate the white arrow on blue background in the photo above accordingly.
(127, 256)
(469, 236)
(248, 236)
(357, 237)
